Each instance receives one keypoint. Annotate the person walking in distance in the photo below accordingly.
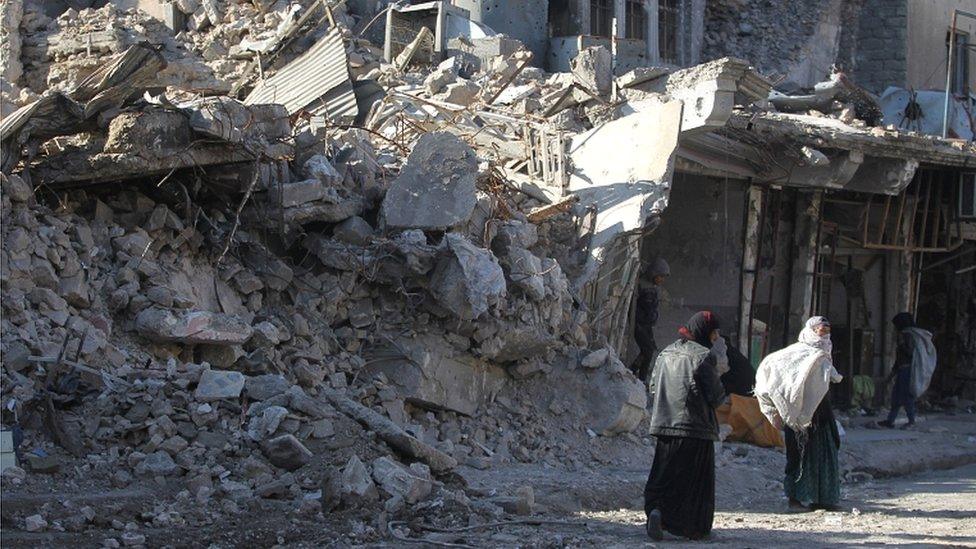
(915, 360)
(646, 316)
(679, 496)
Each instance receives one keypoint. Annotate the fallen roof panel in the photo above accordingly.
(317, 81)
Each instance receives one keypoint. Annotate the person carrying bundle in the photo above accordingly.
(791, 386)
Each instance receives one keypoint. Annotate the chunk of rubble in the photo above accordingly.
(354, 230)
(436, 188)
(462, 92)
(265, 386)
(219, 384)
(286, 451)
(468, 280)
(192, 327)
(157, 464)
(350, 486)
(429, 372)
(413, 484)
(593, 69)
(35, 523)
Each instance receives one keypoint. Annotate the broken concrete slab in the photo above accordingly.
(525, 271)
(463, 92)
(354, 230)
(157, 464)
(350, 486)
(427, 371)
(219, 384)
(467, 281)
(413, 484)
(319, 167)
(393, 434)
(192, 327)
(265, 386)
(286, 451)
(593, 69)
(298, 193)
(436, 188)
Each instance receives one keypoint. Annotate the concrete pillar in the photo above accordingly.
(808, 208)
(750, 263)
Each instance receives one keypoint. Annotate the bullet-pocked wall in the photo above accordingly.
(700, 236)
(527, 21)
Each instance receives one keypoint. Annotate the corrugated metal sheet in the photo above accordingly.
(317, 81)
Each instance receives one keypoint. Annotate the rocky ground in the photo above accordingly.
(888, 496)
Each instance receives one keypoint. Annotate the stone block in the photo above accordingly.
(265, 386)
(286, 451)
(298, 193)
(191, 327)
(467, 281)
(350, 486)
(436, 188)
(219, 384)
(413, 484)
(433, 374)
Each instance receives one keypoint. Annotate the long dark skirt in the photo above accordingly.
(812, 468)
(682, 485)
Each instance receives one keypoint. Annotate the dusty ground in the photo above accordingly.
(935, 508)
(922, 508)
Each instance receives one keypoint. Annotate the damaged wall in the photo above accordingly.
(700, 237)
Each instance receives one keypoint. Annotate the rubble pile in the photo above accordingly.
(248, 310)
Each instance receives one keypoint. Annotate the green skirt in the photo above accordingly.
(812, 467)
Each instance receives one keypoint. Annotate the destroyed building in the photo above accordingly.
(325, 253)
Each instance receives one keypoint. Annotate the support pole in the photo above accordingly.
(952, 45)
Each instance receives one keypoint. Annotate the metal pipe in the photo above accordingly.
(952, 43)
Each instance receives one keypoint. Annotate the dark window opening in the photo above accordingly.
(967, 195)
(959, 84)
(636, 20)
(667, 34)
(562, 21)
(601, 17)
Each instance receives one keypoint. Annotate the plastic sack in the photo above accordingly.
(748, 424)
(923, 360)
(791, 383)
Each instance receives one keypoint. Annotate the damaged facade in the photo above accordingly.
(326, 252)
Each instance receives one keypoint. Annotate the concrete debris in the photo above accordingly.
(218, 384)
(331, 293)
(412, 484)
(349, 486)
(436, 187)
(286, 451)
(192, 327)
(593, 69)
(35, 523)
(469, 280)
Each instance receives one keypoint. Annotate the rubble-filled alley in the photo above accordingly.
(362, 273)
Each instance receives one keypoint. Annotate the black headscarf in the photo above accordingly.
(699, 327)
(903, 321)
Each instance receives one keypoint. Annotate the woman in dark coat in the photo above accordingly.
(680, 492)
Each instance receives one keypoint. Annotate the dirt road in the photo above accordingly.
(936, 508)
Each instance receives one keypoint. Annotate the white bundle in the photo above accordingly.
(791, 382)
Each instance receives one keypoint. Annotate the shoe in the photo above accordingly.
(886, 423)
(797, 507)
(907, 426)
(654, 530)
